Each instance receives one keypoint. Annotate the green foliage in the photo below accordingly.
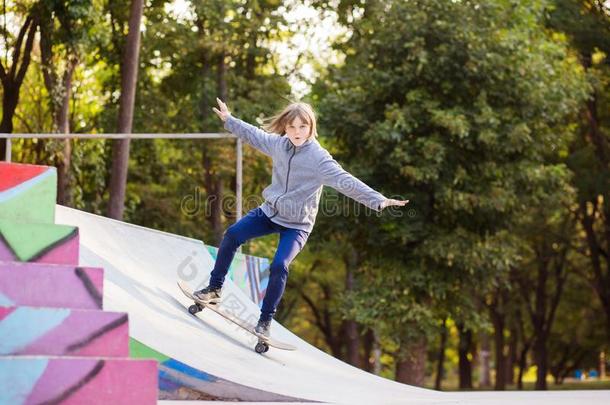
(456, 106)
(468, 109)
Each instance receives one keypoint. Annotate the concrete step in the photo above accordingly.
(28, 192)
(63, 332)
(76, 380)
(51, 285)
(38, 242)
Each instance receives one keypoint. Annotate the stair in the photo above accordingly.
(63, 332)
(38, 242)
(77, 380)
(51, 285)
(57, 344)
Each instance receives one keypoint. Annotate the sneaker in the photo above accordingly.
(263, 328)
(208, 295)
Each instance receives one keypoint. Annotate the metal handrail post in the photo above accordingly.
(7, 154)
(238, 179)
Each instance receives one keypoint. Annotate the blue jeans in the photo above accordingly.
(253, 225)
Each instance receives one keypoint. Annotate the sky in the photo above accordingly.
(313, 34)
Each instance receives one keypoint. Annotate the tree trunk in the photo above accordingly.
(376, 353)
(64, 195)
(496, 310)
(601, 278)
(441, 357)
(484, 355)
(10, 98)
(512, 356)
(464, 364)
(323, 318)
(129, 78)
(538, 316)
(368, 344)
(13, 78)
(540, 357)
(522, 366)
(411, 365)
(352, 334)
(214, 190)
(522, 359)
(544, 313)
(60, 94)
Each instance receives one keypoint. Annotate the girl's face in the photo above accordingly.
(298, 131)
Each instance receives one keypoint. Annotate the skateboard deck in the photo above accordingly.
(263, 342)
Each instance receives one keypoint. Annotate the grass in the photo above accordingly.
(592, 384)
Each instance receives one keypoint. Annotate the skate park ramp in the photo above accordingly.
(142, 267)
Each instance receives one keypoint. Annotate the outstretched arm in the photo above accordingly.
(254, 136)
(333, 175)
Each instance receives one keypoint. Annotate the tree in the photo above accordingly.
(587, 25)
(129, 77)
(446, 104)
(63, 30)
(12, 75)
(542, 275)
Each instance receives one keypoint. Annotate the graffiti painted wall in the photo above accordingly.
(249, 273)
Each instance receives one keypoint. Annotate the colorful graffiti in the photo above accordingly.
(63, 332)
(78, 287)
(28, 192)
(53, 380)
(178, 381)
(249, 273)
(56, 345)
(39, 243)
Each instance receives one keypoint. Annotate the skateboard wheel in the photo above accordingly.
(193, 309)
(261, 347)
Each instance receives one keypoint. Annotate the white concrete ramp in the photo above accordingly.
(141, 269)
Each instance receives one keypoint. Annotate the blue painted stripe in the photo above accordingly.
(25, 186)
(188, 370)
(168, 384)
(5, 301)
(25, 325)
(18, 378)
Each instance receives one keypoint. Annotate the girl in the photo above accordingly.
(301, 166)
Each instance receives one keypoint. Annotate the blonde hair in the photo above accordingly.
(277, 123)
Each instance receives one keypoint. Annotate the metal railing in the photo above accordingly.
(238, 149)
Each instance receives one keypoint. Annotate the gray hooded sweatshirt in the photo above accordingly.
(298, 174)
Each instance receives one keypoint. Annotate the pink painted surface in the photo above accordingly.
(57, 378)
(21, 283)
(115, 341)
(4, 312)
(64, 253)
(80, 328)
(5, 252)
(117, 382)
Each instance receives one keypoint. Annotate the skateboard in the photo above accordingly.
(263, 342)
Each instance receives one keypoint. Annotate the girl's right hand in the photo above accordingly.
(224, 112)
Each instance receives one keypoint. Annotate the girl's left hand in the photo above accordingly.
(389, 202)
